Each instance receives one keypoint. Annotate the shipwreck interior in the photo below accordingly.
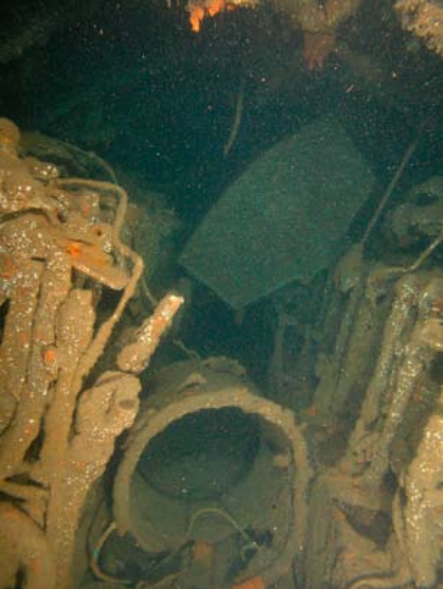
(221, 294)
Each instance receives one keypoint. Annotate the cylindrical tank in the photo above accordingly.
(210, 461)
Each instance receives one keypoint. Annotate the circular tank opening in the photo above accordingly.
(202, 454)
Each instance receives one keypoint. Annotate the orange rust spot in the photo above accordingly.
(74, 249)
(50, 356)
(252, 583)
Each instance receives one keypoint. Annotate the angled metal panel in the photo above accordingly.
(284, 218)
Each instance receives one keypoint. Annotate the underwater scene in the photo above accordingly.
(221, 294)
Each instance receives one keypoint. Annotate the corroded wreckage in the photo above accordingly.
(195, 479)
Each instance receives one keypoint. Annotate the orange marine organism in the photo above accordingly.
(199, 9)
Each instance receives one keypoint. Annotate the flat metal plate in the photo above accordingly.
(284, 218)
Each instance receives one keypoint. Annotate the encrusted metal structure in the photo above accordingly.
(341, 489)
(60, 249)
